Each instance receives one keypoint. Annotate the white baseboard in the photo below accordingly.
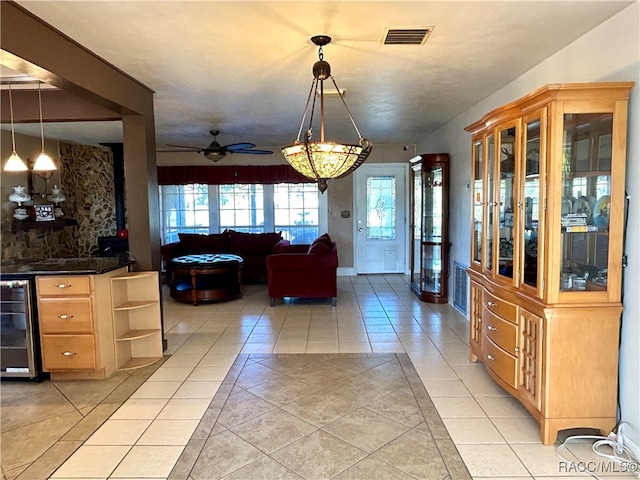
(628, 442)
(346, 271)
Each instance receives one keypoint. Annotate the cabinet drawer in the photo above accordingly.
(504, 334)
(63, 286)
(68, 352)
(504, 309)
(503, 364)
(65, 315)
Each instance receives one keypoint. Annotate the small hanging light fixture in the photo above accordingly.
(44, 166)
(14, 163)
(323, 160)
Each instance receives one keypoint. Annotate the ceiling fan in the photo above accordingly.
(214, 151)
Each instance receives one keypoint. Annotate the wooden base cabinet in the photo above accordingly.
(76, 333)
(548, 176)
(93, 325)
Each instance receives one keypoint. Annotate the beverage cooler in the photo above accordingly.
(19, 355)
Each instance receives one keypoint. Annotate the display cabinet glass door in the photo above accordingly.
(532, 221)
(477, 206)
(586, 193)
(491, 204)
(430, 239)
(505, 181)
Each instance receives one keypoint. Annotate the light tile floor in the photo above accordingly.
(495, 436)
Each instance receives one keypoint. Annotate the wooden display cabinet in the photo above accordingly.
(430, 227)
(548, 181)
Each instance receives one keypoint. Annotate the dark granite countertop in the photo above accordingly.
(63, 266)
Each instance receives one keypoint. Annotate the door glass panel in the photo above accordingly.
(507, 169)
(584, 220)
(432, 267)
(381, 208)
(488, 254)
(477, 202)
(531, 203)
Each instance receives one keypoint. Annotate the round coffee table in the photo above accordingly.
(206, 277)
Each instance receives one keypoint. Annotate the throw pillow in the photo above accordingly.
(196, 243)
(253, 243)
(324, 239)
(318, 248)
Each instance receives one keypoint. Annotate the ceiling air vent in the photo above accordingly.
(406, 36)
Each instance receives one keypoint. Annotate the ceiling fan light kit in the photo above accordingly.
(324, 160)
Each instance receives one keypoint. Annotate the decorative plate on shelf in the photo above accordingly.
(44, 212)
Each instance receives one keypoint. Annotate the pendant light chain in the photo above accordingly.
(13, 134)
(40, 107)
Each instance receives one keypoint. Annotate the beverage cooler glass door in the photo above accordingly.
(17, 356)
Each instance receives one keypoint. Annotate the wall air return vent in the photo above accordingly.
(460, 281)
(406, 35)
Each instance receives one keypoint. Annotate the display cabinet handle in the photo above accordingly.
(64, 316)
(69, 354)
(493, 329)
(491, 304)
(491, 357)
(63, 285)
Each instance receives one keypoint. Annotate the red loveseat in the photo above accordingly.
(252, 247)
(307, 271)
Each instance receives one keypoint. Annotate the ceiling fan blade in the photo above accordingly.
(253, 152)
(184, 146)
(234, 147)
(181, 150)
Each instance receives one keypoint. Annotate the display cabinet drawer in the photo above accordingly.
(63, 286)
(68, 352)
(65, 315)
(502, 308)
(499, 361)
(504, 334)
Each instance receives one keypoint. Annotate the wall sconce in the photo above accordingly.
(19, 196)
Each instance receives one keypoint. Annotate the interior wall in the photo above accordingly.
(339, 193)
(610, 52)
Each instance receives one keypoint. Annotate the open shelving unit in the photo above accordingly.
(136, 319)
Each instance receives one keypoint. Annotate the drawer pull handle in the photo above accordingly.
(68, 354)
(491, 304)
(64, 316)
(491, 357)
(493, 329)
(63, 285)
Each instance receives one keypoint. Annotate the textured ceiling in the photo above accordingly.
(244, 68)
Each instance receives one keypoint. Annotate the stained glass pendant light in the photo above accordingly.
(322, 160)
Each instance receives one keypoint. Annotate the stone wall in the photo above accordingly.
(88, 184)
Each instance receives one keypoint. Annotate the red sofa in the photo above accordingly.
(307, 271)
(252, 247)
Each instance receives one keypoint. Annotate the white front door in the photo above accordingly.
(381, 222)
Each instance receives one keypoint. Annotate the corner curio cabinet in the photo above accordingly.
(429, 226)
(547, 208)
